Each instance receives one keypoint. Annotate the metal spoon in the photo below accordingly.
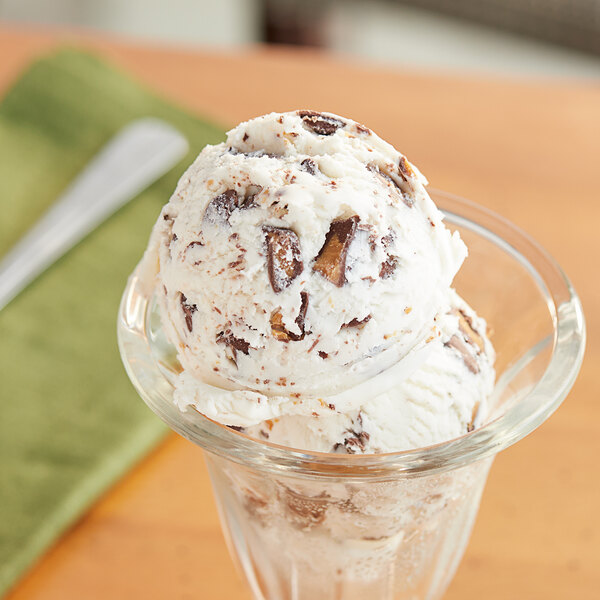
(138, 155)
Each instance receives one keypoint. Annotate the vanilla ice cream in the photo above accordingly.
(447, 396)
(301, 269)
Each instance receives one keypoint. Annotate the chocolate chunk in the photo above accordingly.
(278, 329)
(188, 310)
(246, 136)
(305, 511)
(284, 261)
(388, 267)
(322, 354)
(353, 442)
(253, 153)
(233, 344)
(302, 314)
(220, 208)
(465, 324)
(356, 440)
(362, 129)
(331, 260)
(319, 123)
(357, 323)
(390, 264)
(238, 344)
(237, 428)
(469, 360)
(309, 165)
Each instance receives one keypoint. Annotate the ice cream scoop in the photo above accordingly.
(300, 265)
(447, 396)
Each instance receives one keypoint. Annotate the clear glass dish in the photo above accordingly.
(390, 526)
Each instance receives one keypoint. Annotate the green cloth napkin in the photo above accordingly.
(70, 421)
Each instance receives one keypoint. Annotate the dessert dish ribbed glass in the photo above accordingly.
(304, 525)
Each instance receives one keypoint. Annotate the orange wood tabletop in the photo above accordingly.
(529, 150)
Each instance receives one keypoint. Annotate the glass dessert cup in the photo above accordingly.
(305, 525)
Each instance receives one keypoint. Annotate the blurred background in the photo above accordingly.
(518, 37)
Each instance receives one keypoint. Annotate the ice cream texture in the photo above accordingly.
(303, 274)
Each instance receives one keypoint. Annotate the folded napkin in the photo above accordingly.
(70, 421)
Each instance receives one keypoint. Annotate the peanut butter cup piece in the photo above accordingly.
(460, 346)
(465, 324)
(319, 123)
(279, 330)
(284, 261)
(302, 313)
(233, 344)
(404, 169)
(220, 208)
(331, 260)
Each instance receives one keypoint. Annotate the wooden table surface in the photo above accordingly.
(529, 150)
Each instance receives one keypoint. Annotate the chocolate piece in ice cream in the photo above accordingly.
(220, 208)
(320, 123)
(188, 311)
(331, 260)
(292, 233)
(284, 261)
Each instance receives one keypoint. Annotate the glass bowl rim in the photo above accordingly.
(514, 424)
